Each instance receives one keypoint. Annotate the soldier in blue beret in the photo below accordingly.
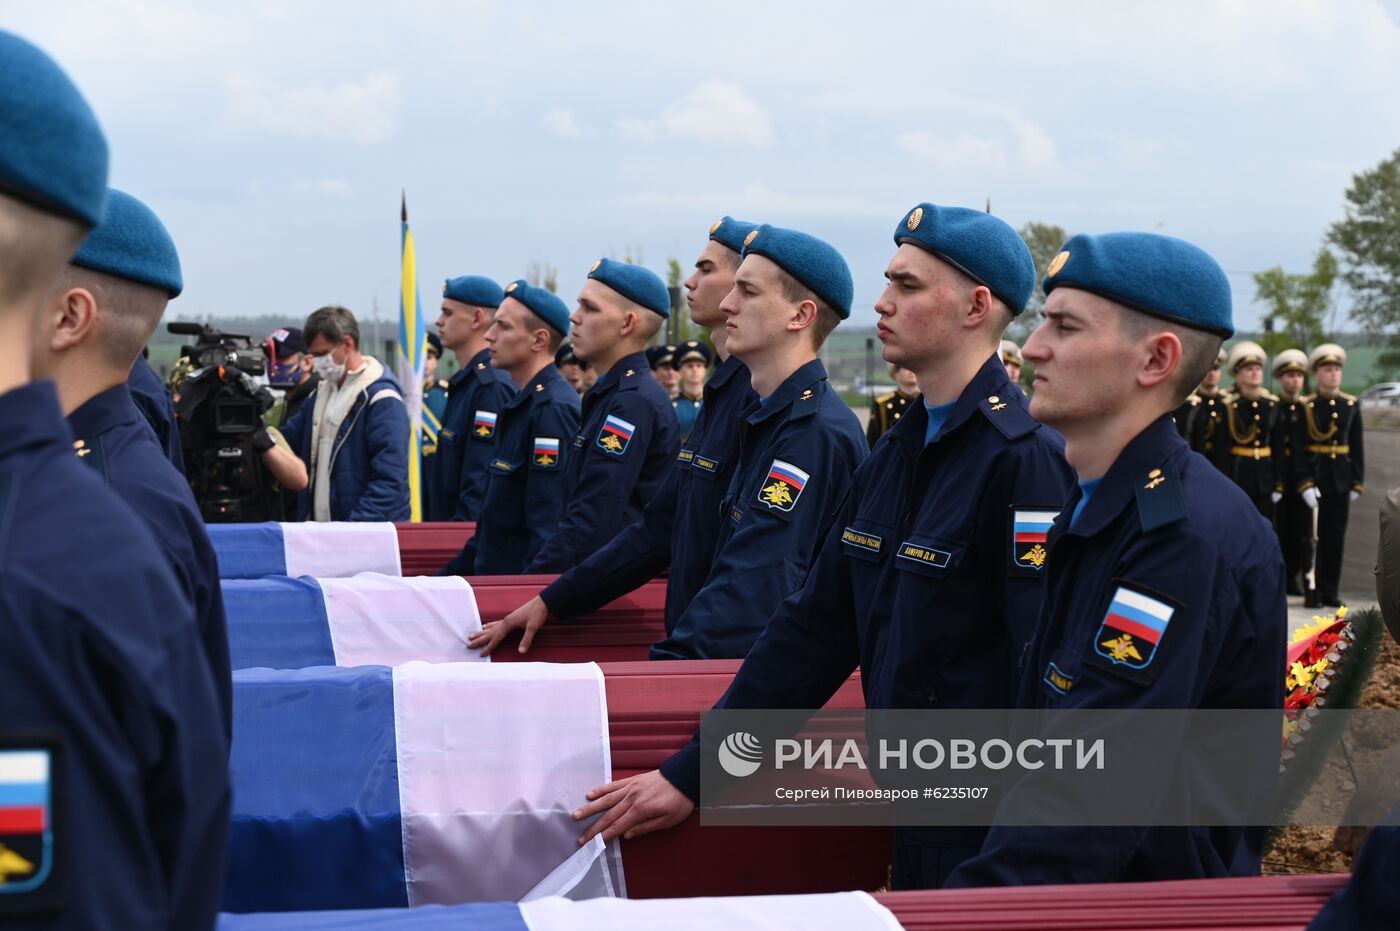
(936, 553)
(682, 521)
(629, 435)
(476, 394)
(534, 436)
(693, 357)
(800, 443)
(1152, 527)
(112, 720)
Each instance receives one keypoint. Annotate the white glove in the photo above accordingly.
(1355, 494)
(1276, 497)
(1310, 496)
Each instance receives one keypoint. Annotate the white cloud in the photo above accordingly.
(959, 152)
(758, 200)
(715, 111)
(325, 187)
(363, 113)
(564, 125)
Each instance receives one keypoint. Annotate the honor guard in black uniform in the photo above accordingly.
(1291, 514)
(1205, 422)
(937, 551)
(476, 392)
(665, 369)
(525, 480)
(433, 404)
(112, 739)
(681, 523)
(1256, 431)
(629, 437)
(1333, 465)
(886, 409)
(693, 357)
(1164, 586)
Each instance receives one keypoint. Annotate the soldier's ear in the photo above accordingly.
(73, 317)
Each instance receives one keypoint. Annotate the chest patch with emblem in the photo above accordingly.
(1132, 629)
(615, 435)
(783, 486)
(484, 425)
(546, 452)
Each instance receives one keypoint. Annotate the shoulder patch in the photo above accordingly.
(1030, 528)
(1127, 639)
(782, 487)
(545, 452)
(484, 425)
(615, 435)
(1160, 499)
(29, 811)
(1012, 420)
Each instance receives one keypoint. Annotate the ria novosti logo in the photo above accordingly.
(740, 754)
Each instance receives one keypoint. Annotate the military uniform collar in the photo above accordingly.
(1147, 470)
(480, 364)
(625, 374)
(101, 412)
(536, 389)
(797, 390)
(30, 417)
(990, 393)
(725, 371)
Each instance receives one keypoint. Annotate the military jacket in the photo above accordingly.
(467, 441)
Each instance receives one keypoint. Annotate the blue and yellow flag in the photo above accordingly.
(412, 353)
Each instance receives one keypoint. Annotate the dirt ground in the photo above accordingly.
(1315, 849)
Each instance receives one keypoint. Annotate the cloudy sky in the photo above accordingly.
(274, 137)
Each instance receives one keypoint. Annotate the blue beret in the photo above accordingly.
(637, 284)
(132, 243)
(542, 304)
(52, 152)
(730, 232)
(476, 290)
(1157, 275)
(814, 263)
(983, 247)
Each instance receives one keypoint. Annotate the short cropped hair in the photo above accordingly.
(128, 311)
(534, 321)
(1199, 349)
(827, 318)
(334, 322)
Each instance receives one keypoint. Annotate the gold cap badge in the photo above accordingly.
(715, 226)
(915, 218)
(511, 287)
(595, 266)
(751, 237)
(1057, 263)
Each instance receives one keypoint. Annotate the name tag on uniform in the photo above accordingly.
(501, 466)
(706, 464)
(925, 555)
(736, 515)
(1058, 680)
(861, 540)
(685, 455)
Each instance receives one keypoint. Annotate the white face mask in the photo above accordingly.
(328, 368)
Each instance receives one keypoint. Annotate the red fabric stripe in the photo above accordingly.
(1025, 536)
(28, 819)
(1132, 627)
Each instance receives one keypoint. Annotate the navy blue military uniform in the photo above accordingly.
(618, 460)
(525, 479)
(1372, 898)
(155, 404)
(1153, 533)
(106, 678)
(1333, 461)
(798, 449)
(920, 582)
(687, 412)
(476, 393)
(113, 438)
(680, 525)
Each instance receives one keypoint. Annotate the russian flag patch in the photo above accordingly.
(546, 452)
(783, 485)
(484, 425)
(1030, 528)
(1131, 630)
(615, 435)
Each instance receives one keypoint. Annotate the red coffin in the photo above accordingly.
(1277, 903)
(618, 632)
(425, 548)
(653, 710)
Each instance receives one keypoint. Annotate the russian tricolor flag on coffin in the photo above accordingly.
(373, 787)
(325, 550)
(850, 911)
(287, 623)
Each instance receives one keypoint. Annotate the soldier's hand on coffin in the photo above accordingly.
(1310, 496)
(633, 807)
(529, 617)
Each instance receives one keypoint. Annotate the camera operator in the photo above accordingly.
(353, 434)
